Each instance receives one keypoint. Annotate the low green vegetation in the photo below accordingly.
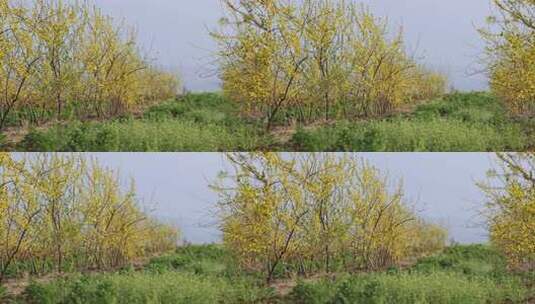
(462, 274)
(141, 136)
(210, 122)
(209, 274)
(200, 122)
(457, 122)
(129, 288)
(193, 274)
(441, 287)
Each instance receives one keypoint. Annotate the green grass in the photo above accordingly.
(399, 135)
(210, 122)
(209, 274)
(3, 293)
(19, 269)
(458, 122)
(33, 116)
(2, 140)
(141, 136)
(145, 287)
(404, 288)
(201, 122)
(460, 275)
(476, 260)
(204, 260)
(193, 274)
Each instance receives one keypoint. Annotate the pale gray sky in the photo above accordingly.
(442, 185)
(176, 31)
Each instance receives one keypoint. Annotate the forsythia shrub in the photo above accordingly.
(318, 58)
(57, 55)
(71, 212)
(511, 54)
(510, 209)
(317, 211)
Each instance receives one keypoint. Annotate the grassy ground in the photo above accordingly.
(209, 122)
(198, 122)
(462, 274)
(457, 122)
(208, 274)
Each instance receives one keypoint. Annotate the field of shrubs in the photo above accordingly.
(299, 228)
(298, 76)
